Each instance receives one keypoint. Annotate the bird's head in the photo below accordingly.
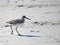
(26, 17)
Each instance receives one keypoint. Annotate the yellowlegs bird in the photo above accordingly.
(17, 22)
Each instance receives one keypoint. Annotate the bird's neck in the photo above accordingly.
(23, 19)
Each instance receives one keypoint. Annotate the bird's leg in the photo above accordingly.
(17, 31)
(11, 29)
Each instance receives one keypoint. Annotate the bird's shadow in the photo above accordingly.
(29, 36)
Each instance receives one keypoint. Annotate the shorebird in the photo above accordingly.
(17, 22)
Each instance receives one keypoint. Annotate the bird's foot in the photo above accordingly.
(20, 35)
(11, 32)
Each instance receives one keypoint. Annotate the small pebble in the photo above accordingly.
(37, 31)
(32, 31)
(6, 25)
(53, 23)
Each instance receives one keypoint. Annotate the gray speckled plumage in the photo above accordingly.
(18, 21)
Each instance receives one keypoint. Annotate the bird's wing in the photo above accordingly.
(11, 22)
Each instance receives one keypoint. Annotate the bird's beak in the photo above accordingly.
(28, 18)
